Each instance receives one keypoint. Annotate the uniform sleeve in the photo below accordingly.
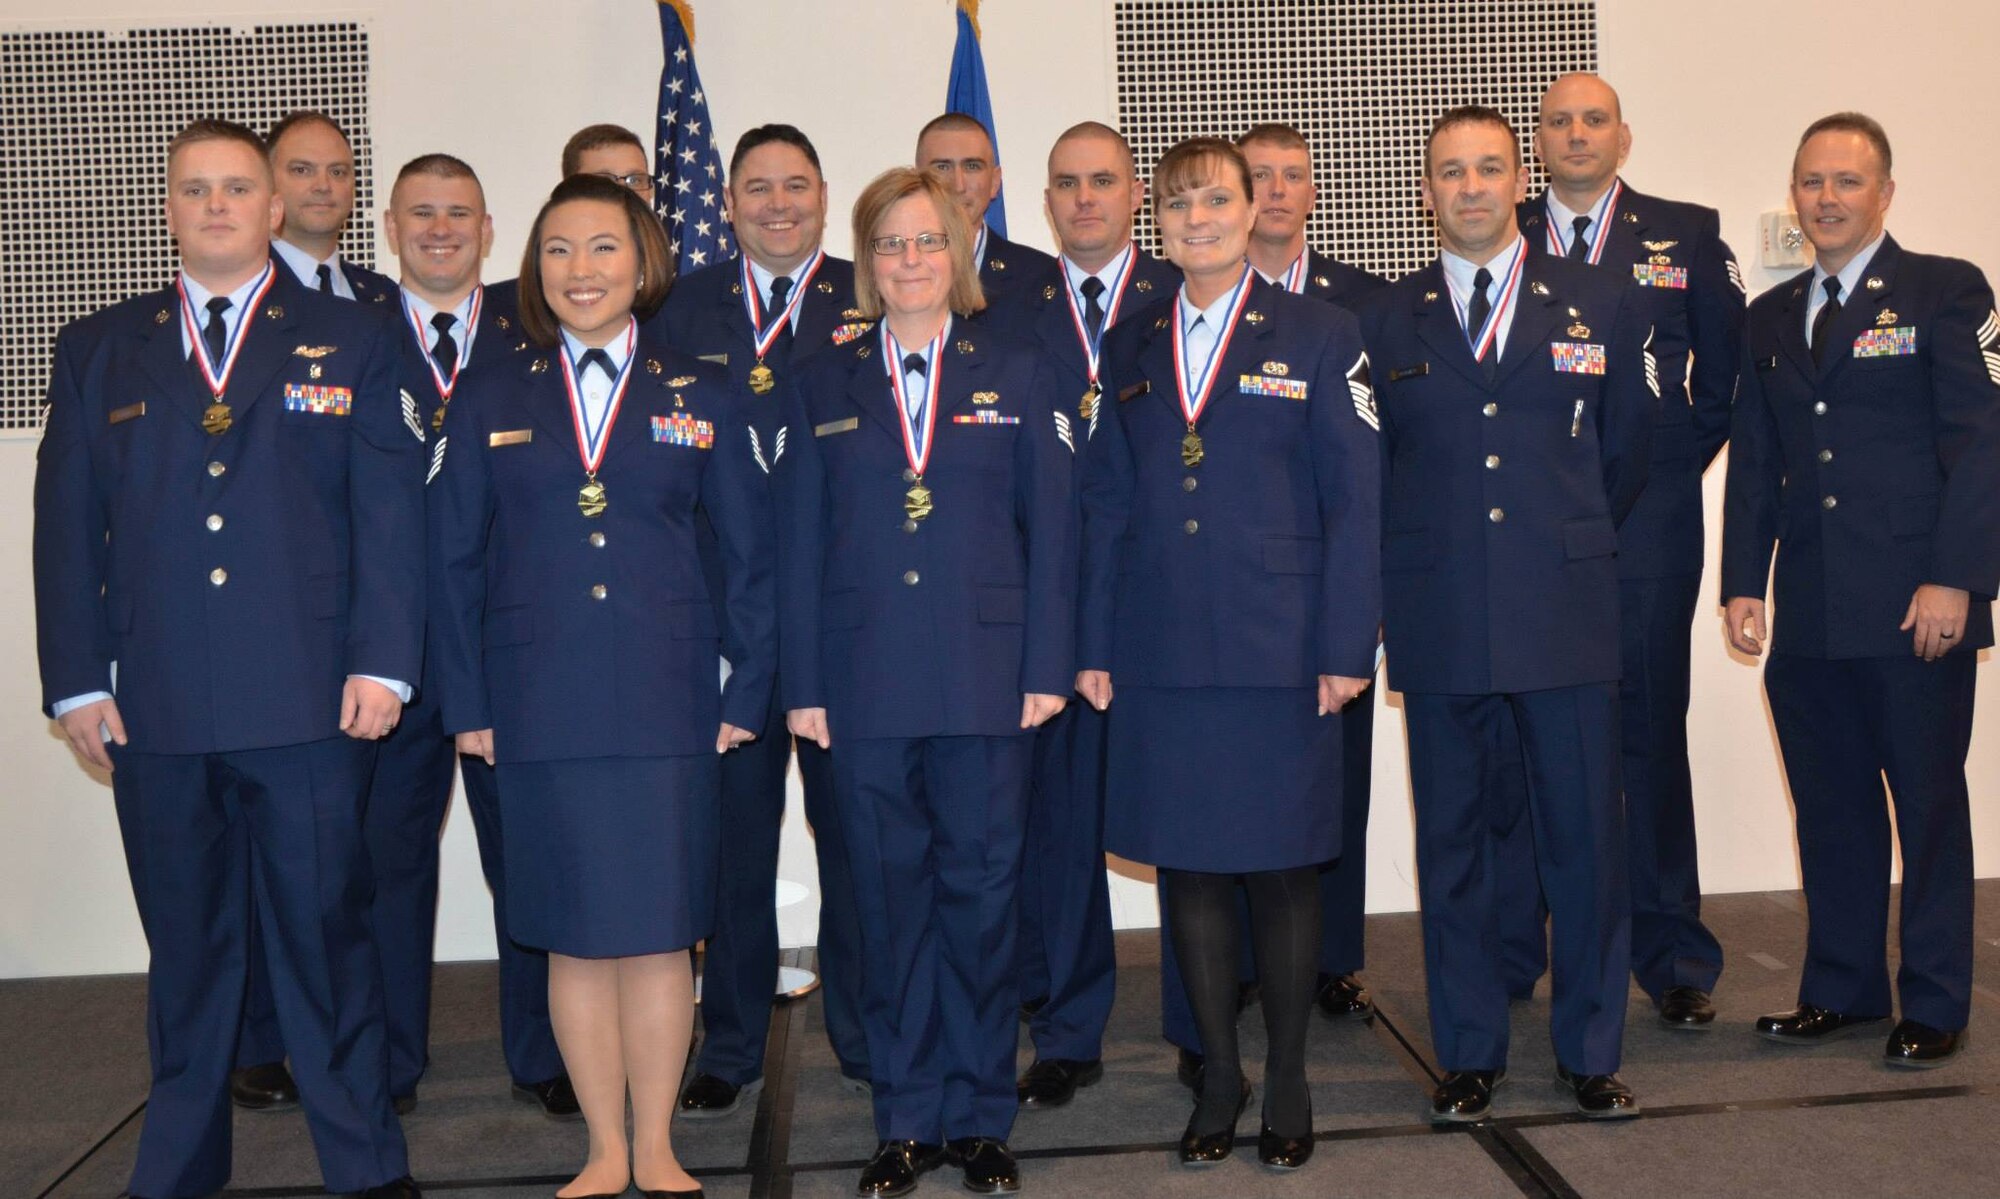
(1347, 469)
(1715, 331)
(387, 461)
(735, 490)
(1108, 482)
(1045, 504)
(1753, 491)
(459, 520)
(1965, 386)
(72, 635)
(799, 489)
(1631, 406)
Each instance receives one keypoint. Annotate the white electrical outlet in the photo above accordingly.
(1784, 245)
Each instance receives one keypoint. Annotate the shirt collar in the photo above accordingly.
(199, 297)
(1564, 219)
(1458, 272)
(979, 247)
(304, 265)
(425, 310)
(1850, 275)
(1104, 274)
(615, 351)
(1212, 314)
(762, 278)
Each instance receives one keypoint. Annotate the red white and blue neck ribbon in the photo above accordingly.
(753, 303)
(918, 429)
(591, 443)
(1193, 404)
(1599, 222)
(979, 249)
(215, 374)
(446, 386)
(1295, 278)
(1093, 350)
(1489, 333)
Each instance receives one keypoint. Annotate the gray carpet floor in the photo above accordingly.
(1726, 1114)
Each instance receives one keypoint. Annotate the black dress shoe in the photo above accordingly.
(1342, 997)
(403, 1188)
(895, 1168)
(1920, 1046)
(1283, 1153)
(989, 1165)
(1052, 1082)
(265, 1088)
(1207, 1148)
(1188, 1068)
(1599, 1096)
(1809, 1025)
(556, 1097)
(1465, 1096)
(710, 1098)
(696, 1193)
(1686, 1008)
(404, 1104)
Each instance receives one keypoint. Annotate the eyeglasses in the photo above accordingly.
(894, 245)
(638, 181)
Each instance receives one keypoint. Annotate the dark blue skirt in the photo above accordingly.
(1222, 779)
(611, 857)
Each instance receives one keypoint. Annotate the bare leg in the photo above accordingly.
(656, 1014)
(583, 1007)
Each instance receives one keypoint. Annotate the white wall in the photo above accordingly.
(1714, 99)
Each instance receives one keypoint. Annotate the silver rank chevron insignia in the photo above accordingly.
(411, 418)
(437, 462)
(1652, 366)
(1063, 432)
(1364, 395)
(1736, 275)
(1989, 346)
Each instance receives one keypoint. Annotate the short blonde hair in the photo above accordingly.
(872, 208)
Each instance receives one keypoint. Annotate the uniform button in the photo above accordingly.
(214, 522)
(1819, 409)
(1491, 409)
(1830, 502)
(1492, 462)
(1826, 455)
(909, 476)
(1193, 526)
(1496, 515)
(599, 591)
(218, 576)
(911, 577)
(215, 469)
(910, 525)
(1190, 483)
(597, 540)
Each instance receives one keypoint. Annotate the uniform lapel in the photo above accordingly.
(166, 361)
(818, 314)
(269, 341)
(961, 359)
(1792, 324)
(1535, 316)
(1858, 311)
(643, 392)
(548, 399)
(1247, 349)
(1438, 326)
(868, 387)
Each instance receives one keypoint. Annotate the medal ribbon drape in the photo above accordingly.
(1295, 278)
(1601, 223)
(217, 418)
(1194, 401)
(1490, 331)
(446, 386)
(1093, 350)
(762, 338)
(919, 429)
(591, 444)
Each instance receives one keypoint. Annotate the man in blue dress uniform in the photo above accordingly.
(764, 315)
(1067, 306)
(224, 505)
(1517, 403)
(1674, 255)
(959, 151)
(1866, 443)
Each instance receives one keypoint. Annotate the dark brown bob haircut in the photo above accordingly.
(656, 261)
(1199, 162)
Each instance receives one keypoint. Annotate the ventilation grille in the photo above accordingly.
(85, 118)
(1362, 81)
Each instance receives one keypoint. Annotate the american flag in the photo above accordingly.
(687, 166)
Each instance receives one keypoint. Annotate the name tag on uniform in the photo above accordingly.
(1410, 372)
(682, 429)
(848, 332)
(322, 401)
(1268, 385)
(1578, 357)
(1887, 343)
(1649, 274)
(837, 426)
(129, 412)
(509, 437)
(985, 416)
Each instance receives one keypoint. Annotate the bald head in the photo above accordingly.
(1581, 138)
(1094, 131)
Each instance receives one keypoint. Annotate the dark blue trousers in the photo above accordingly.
(1460, 771)
(739, 974)
(208, 838)
(934, 832)
(1671, 947)
(1067, 957)
(1842, 726)
(1343, 884)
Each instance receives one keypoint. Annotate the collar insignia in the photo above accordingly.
(653, 366)
(1254, 317)
(1539, 288)
(964, 347)
(1143, 285)
(274, 313)
(824, 288)
(160, 317)
(1875, 283)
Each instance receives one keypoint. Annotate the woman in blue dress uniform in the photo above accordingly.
(928, 517)
(578, 650)
(1231, 588)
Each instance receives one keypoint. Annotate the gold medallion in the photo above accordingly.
(216, 419)
(1087, 409)
(590, 498)
(761, 379)
(1191, 449)
(917, 501)
(437, 419)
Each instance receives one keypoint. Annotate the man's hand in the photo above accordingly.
(85, 728)
(1743, 621)
(368, 710)
(1337, 691)
(810, 724)
(1095, 686)
(1938, 615)
(1037, 709)
(478, 744)
(728, 737)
